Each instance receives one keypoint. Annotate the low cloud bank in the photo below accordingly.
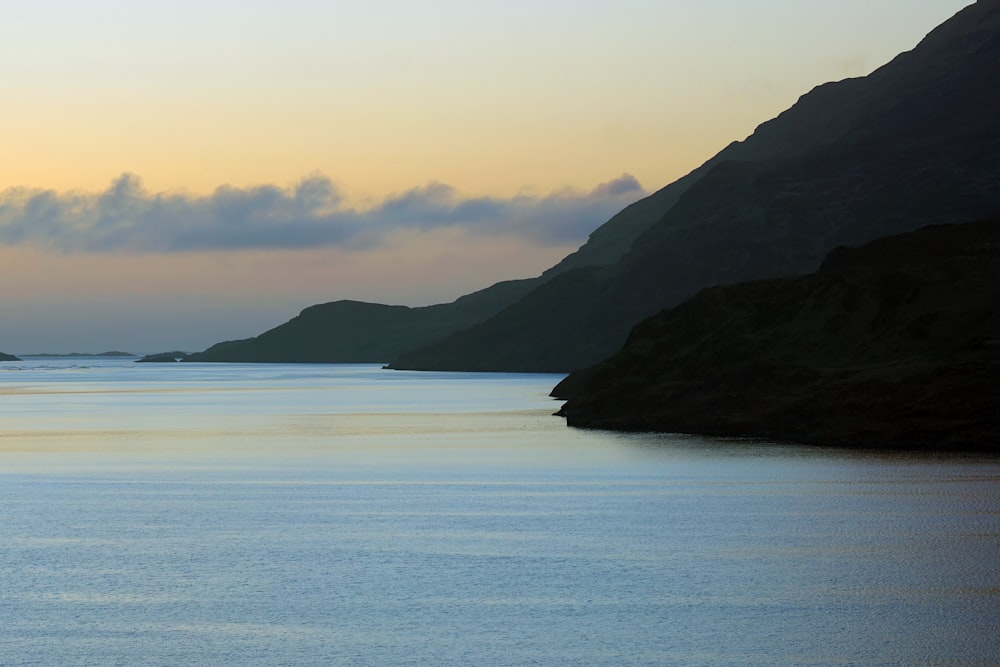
(128, 218)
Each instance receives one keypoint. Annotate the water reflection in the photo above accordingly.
(324, 515)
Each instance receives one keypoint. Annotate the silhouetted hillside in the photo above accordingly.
(164, 357)
(8, 357)
(895, 343)
(353, 331)
(914, 143)
(344, 331)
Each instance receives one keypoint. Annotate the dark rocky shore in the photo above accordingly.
(892, 344)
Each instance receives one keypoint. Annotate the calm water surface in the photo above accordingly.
(312, 515)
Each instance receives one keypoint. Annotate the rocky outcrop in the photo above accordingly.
(892, 344)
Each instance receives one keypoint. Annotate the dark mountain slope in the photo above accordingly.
(895, 343)
(8, 357)
(914, 143)
(352, 331)
(347, 331)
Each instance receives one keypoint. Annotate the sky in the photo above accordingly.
(177, 174)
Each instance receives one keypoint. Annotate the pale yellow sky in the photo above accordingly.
(383, 96)
(521, 108)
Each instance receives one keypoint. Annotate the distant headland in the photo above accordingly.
(164, 357)
(113, 353)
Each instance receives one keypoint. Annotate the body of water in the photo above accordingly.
(163, 514)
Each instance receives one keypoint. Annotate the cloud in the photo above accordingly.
(312, 213)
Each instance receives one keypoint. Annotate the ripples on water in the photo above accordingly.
(217, 514)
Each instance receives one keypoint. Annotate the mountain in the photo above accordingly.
(8, 357)
(914, 143)
(894, 343)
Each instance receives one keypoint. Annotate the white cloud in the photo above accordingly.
(311, 214)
